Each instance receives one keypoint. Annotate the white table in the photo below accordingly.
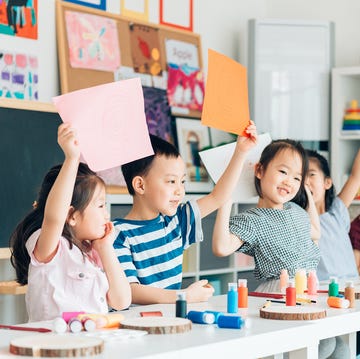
(262, 338)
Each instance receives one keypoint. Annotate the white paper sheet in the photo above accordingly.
(216, 160)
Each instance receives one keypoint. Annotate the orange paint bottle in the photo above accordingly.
(336, 302)
(242, 293)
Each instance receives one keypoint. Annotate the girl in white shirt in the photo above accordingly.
(63, 248)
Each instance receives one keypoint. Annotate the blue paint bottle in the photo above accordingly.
(232, 298)
(216, 314)
(201, 317)
(230, 321)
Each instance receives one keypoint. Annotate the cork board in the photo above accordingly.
(76, 78)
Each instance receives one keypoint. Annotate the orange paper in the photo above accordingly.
(226, 104)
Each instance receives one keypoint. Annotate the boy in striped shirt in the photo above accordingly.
(151, 239)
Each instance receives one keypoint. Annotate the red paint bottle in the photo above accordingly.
(291, 295)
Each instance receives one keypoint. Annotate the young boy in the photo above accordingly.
(152, 237)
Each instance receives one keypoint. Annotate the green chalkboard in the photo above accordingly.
(28, 148)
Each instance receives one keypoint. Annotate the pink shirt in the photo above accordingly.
(69, 282)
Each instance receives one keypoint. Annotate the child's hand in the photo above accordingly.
(106, 240)
(68, 141)
(199, 291)
(244, 144)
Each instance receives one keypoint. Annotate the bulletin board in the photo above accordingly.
(74, 78)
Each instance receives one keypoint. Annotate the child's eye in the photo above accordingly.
(282, 171)
(183, 181)
(297, 179)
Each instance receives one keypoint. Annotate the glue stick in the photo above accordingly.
(230, 321)
(290, 295)
(336, 302)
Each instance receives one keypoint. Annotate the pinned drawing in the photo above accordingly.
(18, 76)
(145, 49)
(93, 41)
(19, 18)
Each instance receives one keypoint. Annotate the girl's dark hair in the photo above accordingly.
(324, 167)
(268, 154)
(85, 185)
(142, 166)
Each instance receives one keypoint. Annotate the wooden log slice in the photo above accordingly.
(305, 312)
(157, 325)
(56, 345)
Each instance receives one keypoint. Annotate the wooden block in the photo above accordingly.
(304, 312)
(157, 325)
(55, 345)
(12, 287)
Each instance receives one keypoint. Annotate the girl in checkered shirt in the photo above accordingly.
(282, 231)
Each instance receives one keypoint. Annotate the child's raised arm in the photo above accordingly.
(226, 184)
(314, 216)
(59, 198)
(352, 185)
(224, 243)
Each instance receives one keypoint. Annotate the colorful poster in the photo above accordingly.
(18, 76)
(185, 87)
(145, 49)
(182, 53)
(157, 112)
(97, 4)
(93, 41)
(19, 18)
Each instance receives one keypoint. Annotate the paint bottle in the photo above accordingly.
(350, 293)
(284, 280)
(333, 287)
(232, 298)
(230, 321)
(290, 295)
(312, 283)
(336, 302)
(75, 325)
(242, 293)
(181, 305)
(201, 317)
(89, 324)
(300, 281)
(216, 315)
(59, 325)
(68, 315)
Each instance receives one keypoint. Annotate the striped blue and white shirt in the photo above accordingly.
(151, 251)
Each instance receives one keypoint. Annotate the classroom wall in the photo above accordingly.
(221, 24)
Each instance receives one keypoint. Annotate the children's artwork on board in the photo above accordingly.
(193, 137)
(19, 18)
(158, 113)
(18, 76)
(93, 41)
(185, 79)
(145, 49)
(97, 4)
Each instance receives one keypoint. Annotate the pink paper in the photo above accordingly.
(110, 122)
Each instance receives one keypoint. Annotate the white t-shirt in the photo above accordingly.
(69, 282)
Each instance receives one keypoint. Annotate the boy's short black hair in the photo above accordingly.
(142, 166)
